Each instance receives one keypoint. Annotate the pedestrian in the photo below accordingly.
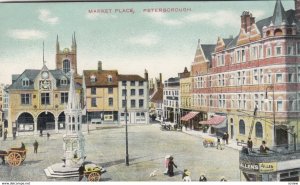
(5, 135)
(249, 144)
(170, 167)
(226, 137)
(81, 172)
(2, 154)
(14, 134)
(202, 178)
(263, 148)
(223, 179)
(219, 144)
(22, 146)
(35, 146)
(48, 135)
(41, 132)
(186, 176)
(166, 162)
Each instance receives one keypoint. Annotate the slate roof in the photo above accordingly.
(130, 78)
(279, 14)
(31, 75)
(101, 78)
(207, 50)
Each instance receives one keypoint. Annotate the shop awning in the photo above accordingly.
(216, 121)
(189, 116)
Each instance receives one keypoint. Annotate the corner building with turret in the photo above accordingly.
(256, 73)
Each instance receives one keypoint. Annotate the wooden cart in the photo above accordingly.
(93, 172)
(208, 142)
(14, 156)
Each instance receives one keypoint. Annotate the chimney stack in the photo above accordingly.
(160, 78)
(246, 21)
(146, 74)
(297, 10)
(99, 66)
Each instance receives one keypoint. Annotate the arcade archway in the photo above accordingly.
(46, 121)
(61, 120)
(25, 122)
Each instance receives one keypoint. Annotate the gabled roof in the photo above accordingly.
(158, 96)
(31, 75)
(130, 78)
(207, 50)
(101, 78)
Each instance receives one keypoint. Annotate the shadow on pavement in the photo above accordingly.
(31, 162)
(116, 162)
(105, 179)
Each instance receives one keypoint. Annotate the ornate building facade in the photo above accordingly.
(38, 98)
(259, 70)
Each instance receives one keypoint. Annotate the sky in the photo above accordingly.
(123, 35)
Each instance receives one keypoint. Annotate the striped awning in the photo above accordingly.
(215, 120)
(189, 116)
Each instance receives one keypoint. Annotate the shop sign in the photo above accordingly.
(249, 166)
(267, 167)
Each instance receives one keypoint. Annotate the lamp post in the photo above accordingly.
(272, 87)
(126, 131)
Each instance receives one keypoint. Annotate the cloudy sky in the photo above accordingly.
(129, 42)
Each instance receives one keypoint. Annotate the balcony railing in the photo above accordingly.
(278, 153)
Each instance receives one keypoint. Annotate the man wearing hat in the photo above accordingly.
(202, 177)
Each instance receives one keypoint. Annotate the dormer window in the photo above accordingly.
(25, 82)
(109, 78)
(93, 78)
(63, 81)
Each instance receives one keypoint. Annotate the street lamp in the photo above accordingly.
(126, 131)
(272, 87)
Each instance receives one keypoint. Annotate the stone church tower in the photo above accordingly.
(66, 59)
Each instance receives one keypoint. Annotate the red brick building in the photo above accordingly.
(260, 67)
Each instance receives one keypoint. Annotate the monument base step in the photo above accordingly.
(60, 171)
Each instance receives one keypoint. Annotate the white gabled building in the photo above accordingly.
(137, 98)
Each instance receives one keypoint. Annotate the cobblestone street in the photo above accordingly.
(147, 147)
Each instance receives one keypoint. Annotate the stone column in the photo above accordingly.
(35, 126)
(56, 124)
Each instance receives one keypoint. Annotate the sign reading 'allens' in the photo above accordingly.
(261, 167)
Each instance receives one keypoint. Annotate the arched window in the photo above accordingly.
(109, 78)
(93, 78)
(242, 126)
(63, 81)
(258, 130)
(278, 32)
(25, 82)
(66, 66)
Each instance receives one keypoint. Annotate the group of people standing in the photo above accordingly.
(186, 175)
(225, 138)
(262, 149)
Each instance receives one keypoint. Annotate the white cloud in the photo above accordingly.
(163, 19)
(220, 18)
(26, 34)
(148, 39)
(258, 14)
(47, 17)
(96, 16)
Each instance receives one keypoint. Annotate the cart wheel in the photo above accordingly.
(94, 176)
(14, 159)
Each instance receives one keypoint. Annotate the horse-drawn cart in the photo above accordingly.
(15, 156)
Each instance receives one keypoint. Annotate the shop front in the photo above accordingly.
(273, 166)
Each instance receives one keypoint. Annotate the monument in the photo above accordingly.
(73, 146)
